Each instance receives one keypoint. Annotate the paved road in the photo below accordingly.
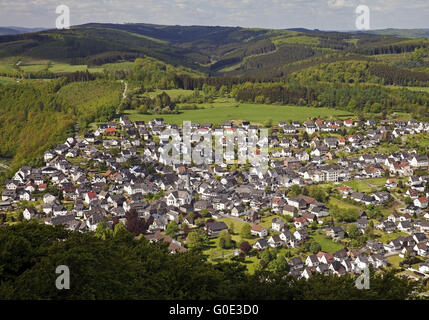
(231, 217)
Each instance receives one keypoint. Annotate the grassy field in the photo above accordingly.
(359, 186)
(423, 89)
(228, 110)
(327, 244)
(173, 93)
(33, 65)
(300, 39)
(5, 80)
(342, 204)
(387, 237)
(377, 181)
(394, 261)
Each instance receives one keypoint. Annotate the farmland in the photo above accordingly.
(229, 110)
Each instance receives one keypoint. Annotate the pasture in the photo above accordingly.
(229, 110)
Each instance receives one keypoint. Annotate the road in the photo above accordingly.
(124, 94)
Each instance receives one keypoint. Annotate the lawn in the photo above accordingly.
(5, 80)
(237, 228)
(251, 263)
(327, 244)
(34, 65)
(342, 204)
(359, 186)
(267, 222)
(377, 181)
(394, 261)
(387, 237)
(229, 110)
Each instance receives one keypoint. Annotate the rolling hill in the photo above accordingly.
(224, 51)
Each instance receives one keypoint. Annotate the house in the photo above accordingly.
(419, 162)
(336, 232)
(404, 226)
(90, 196)
(324, 257)
(387, 226)
(214, 228)
(261, 244)
(419, 237)
(296, 264)
(421, 202)
(300, 235)
(381, 196)
(259, 231)
(362, 224)
(422, 249)
(391, 183)
(375, 246)
(275, 241)
(312, 261)
(179, 198)
(286, 236)
(29, 213)
(377, 261)
(362, 262)
(300, 222)
(278, 224)
(289, 210)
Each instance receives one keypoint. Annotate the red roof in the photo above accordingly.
(92, 195)
(258, 228)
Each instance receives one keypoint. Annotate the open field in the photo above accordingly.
(230, 110)
(422, 89)
(359, 186)
(173, 93)
(342, 204)
(327, 244)
(33, 65)
(394, 261)
(387, 237)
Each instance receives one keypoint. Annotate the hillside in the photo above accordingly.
(212, 50)
(67, 76)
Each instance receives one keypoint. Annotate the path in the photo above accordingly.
(4, 166)
(223, 215)
(124, 94)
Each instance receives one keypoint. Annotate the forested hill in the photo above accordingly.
(115, 265)
(231, 51)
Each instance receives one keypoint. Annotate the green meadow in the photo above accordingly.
(229, 110)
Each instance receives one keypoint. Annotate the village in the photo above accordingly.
(338, 196)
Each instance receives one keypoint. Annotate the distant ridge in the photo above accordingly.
(18, 30)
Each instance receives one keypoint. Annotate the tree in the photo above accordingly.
(103, 232)
(315, 247)
(295, 190)
(232, 228)
(224, 241)
(143, 109)
(266, 256)
(121, 233)
(172, 229)
(194, 241)
(245, 231)
(134, 224)
(353, 231)
(245, 247)
(280, 264)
